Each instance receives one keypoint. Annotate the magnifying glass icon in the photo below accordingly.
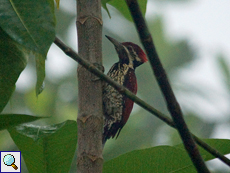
(9, 160)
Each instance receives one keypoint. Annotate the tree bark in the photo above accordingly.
(90, 119)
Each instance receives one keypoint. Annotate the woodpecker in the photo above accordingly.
(117, 107)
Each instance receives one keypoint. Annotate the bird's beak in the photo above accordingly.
(117, 44)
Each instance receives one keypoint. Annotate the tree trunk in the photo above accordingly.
(90, 119)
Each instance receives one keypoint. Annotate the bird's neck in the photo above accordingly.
(119, 71)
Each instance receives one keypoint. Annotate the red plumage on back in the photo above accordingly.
(117, 107)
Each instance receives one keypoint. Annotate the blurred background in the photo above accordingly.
(192, 39)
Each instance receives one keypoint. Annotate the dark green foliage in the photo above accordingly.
(13, 59)
(30, 24)
(8, 120)
(46, 148)
(122, 7)
(162, 159)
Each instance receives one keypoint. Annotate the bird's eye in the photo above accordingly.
(131, 51)
(130, 48)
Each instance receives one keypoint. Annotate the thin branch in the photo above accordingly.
(211, 150)
(71, 53)
(163, 82)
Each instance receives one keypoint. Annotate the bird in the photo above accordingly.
(116, 106)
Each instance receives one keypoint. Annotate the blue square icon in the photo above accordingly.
(10, 161)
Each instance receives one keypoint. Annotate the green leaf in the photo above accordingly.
(103, 4)
(40, 68)
(225, 70)
(46, 149)
(29, 22)
(123, 8)
(13, 60)
(157, 159)
(8, 120)
(222, 145)
(162, 159)
(58, 3)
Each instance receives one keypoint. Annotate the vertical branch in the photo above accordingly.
(163, 82)
(90, 121)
